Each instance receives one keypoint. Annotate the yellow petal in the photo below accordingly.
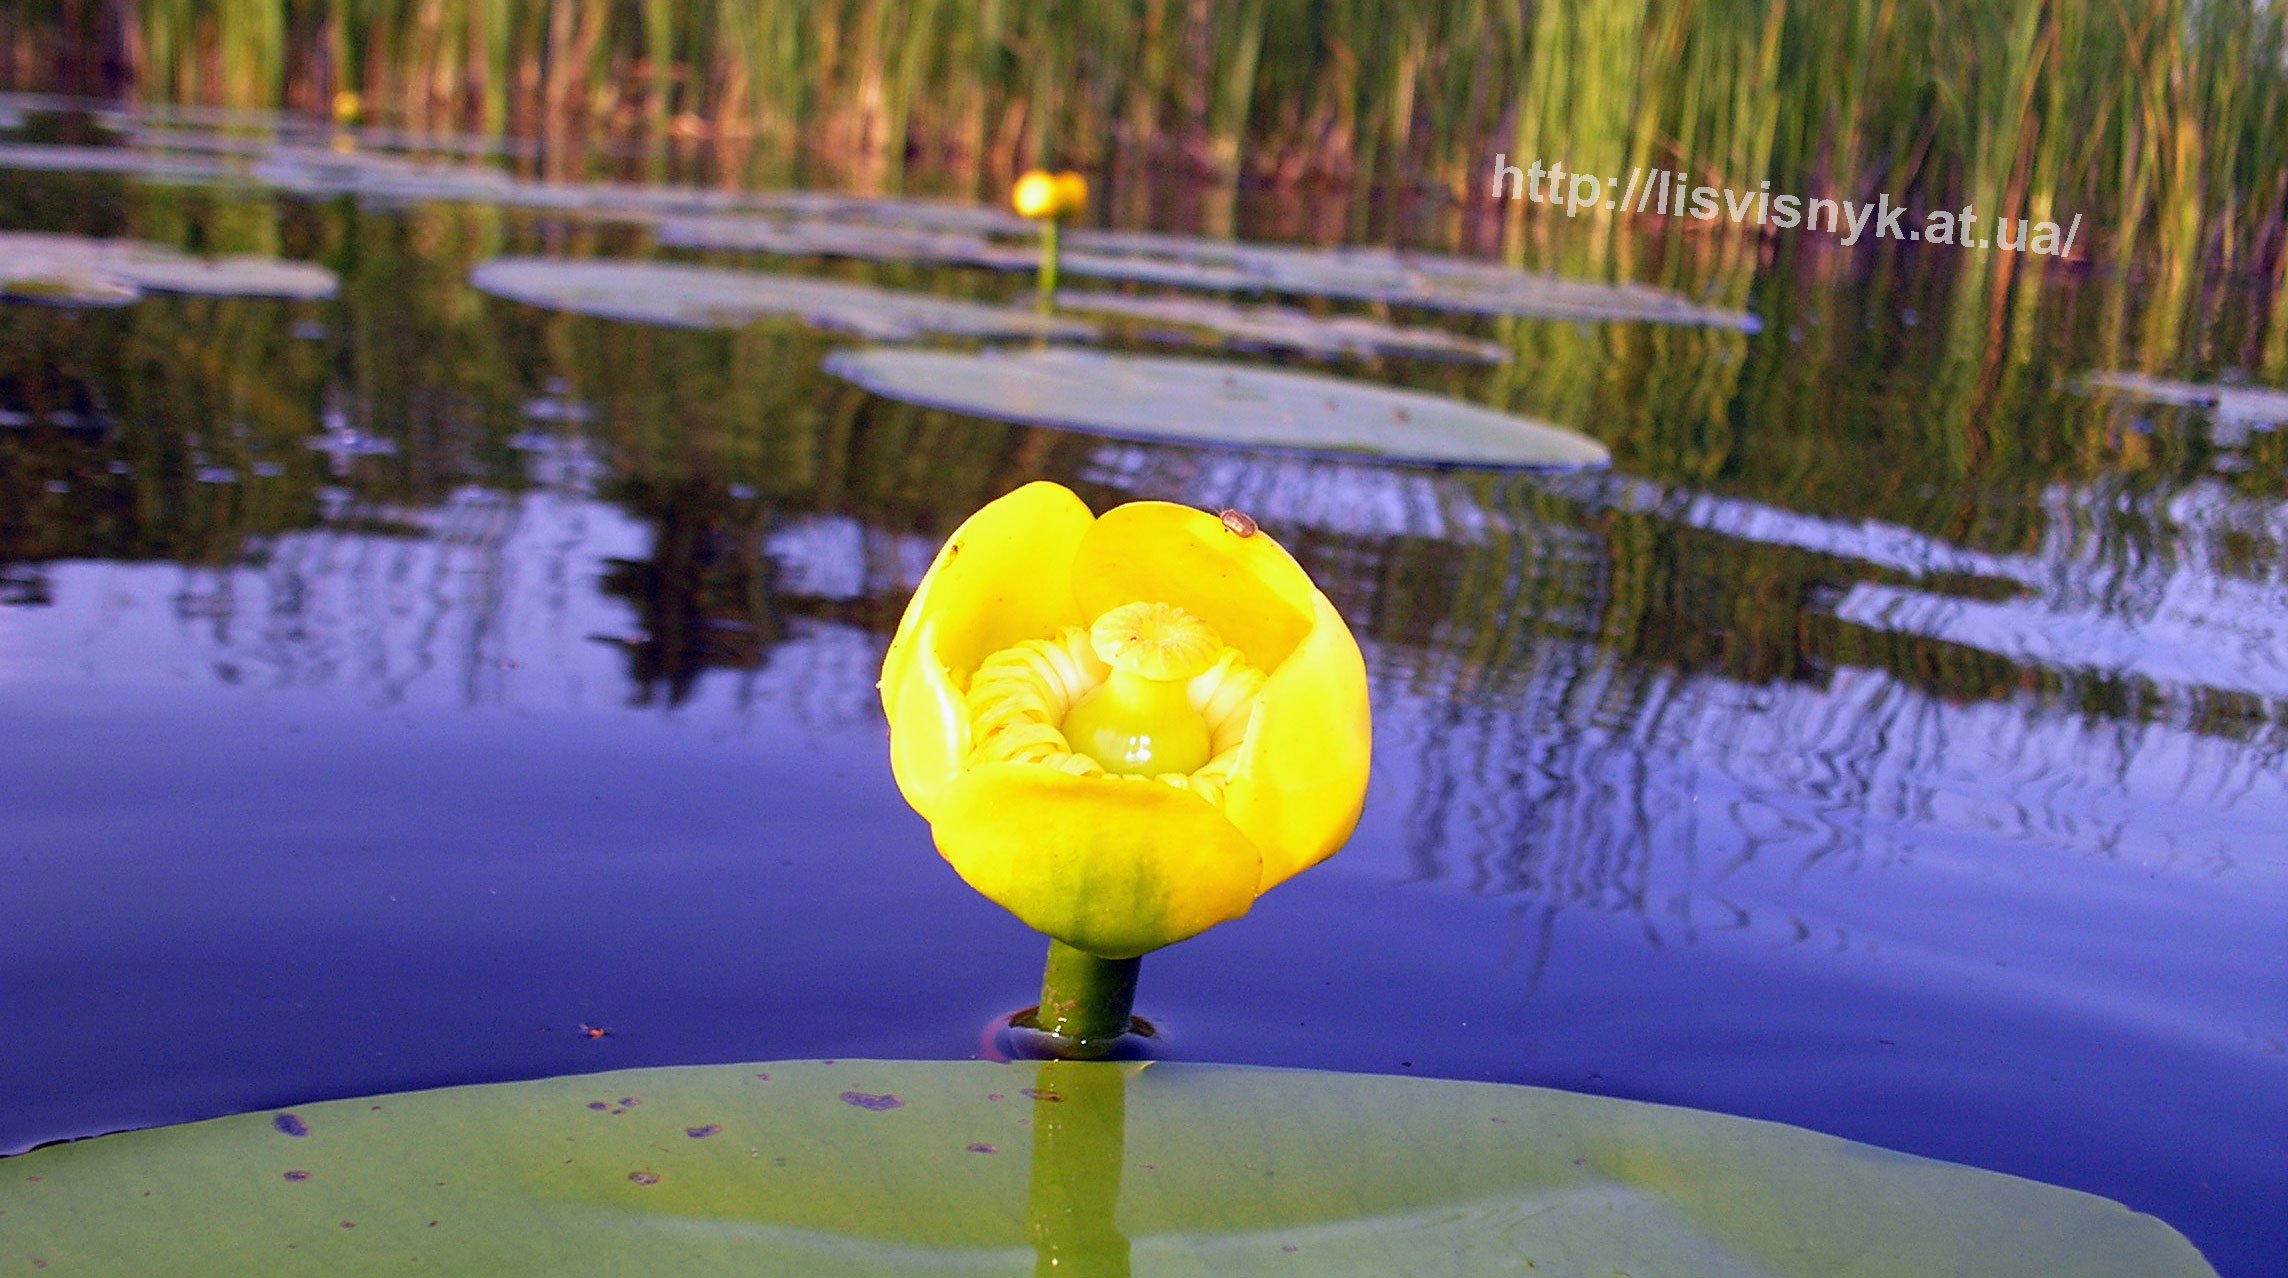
(1249, 588)
(1005, 575)
(1117, 868)
(1301, 777)
(929, 727)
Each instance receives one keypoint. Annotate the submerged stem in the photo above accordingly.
(1086, 1000)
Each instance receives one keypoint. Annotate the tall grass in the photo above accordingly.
(2163, 122)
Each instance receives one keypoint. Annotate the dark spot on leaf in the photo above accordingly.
(868, 1100)
(349, 1224)
(1286, 1246)
(982, 1148)
(1499, 1119)
(630, 1101)
(644, 1177)
(297, 1176)
(291, 1125)
(1041, 1094)
(599, 1105)
(995, 1096)
(765, 1076)
(702, 1133)
(828, 1061)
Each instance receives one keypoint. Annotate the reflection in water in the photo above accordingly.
(1080, 1143)
(702, 601)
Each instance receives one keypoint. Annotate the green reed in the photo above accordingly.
(2163, 122)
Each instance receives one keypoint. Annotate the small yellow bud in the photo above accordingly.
(1035, 195)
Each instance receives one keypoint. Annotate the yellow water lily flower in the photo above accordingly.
(1040, 194)
(1125, 728)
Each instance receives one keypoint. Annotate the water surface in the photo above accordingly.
(1890, 743)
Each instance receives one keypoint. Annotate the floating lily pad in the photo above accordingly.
(686, 296)
(808, 237)
(2246, 405)
(903, 231)
(110, 159)
(1431, 280)
(71, 270)
(1198, 402)
(1285, 328)
(925, 215)
(864, 1167)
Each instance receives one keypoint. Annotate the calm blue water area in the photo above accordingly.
(1891, 743)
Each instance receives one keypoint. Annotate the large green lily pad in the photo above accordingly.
(868, 1167)
(73, 270)
(686, 296)
(1200, 402)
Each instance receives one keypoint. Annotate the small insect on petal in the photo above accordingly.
(1237, 523)
(594, 1031)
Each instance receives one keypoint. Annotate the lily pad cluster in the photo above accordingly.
(1154, 400)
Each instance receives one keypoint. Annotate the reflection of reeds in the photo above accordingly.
(2165, 122)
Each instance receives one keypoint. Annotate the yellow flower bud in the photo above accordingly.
(1035, 195)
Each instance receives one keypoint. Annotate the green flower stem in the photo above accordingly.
(1086, 1000)
(1047, 280)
